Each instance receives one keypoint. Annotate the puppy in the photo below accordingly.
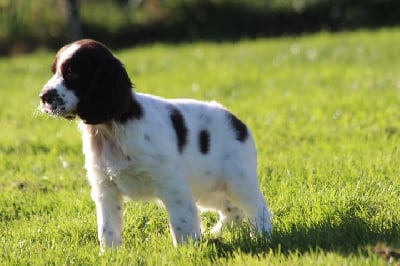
(181, 152)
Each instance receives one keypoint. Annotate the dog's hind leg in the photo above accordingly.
(243, 191)
(255, 208)
(229, 214)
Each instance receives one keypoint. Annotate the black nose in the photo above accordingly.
(48, 96)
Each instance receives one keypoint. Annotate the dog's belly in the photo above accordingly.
(137, 186)
(147, 177)
(141, 185)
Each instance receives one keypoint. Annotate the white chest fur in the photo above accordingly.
(107, 160)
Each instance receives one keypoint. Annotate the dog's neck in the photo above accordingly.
(107, 130)
(101, 140)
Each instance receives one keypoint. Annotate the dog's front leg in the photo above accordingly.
(109, 206)
(183, 218)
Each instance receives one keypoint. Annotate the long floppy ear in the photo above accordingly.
(110, 95)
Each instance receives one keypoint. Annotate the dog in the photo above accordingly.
(181, 152)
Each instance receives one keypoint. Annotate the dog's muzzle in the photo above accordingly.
(50, 97)
(52, 103)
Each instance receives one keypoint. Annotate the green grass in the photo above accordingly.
(325, 113)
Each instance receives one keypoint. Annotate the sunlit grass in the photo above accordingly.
(324, 110)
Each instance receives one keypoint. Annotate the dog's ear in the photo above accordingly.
(109, 96)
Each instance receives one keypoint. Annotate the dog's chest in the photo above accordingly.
(113, 157)
(105, 151)
(118, 166)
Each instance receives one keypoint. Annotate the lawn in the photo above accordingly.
(325, 113)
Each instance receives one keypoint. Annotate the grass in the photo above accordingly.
(324, 110)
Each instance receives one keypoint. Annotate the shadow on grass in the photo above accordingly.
(344, 234)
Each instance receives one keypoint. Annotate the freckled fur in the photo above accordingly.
(147, 148)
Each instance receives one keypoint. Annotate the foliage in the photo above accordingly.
(324, 110)
(25, 25)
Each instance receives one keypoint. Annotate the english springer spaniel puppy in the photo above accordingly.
(181, 152)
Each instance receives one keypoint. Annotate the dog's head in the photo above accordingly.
(88, 82)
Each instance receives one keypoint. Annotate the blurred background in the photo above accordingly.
(26, 25)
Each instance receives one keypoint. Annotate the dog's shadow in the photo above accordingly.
(343, 234)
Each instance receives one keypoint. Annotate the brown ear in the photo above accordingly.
(110, 95)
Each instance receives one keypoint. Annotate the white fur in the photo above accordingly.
(140, 159)
(56, 82)
(66, 54)
(69, 98)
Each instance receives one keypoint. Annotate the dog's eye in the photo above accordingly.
(69, 75)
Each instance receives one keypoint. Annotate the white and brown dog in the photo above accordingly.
(182, 152)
